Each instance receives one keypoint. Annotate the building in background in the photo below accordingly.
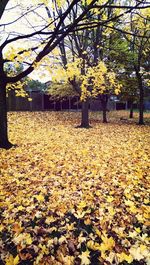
(41, 101)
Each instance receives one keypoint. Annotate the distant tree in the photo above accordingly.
(129, 91)
(90, 46)
(35, 85)
(94, 81)
(131, 50)
(139, 45)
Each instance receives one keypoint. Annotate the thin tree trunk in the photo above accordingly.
(85, 114)
(104, 115)
(141, 101)
(104, 100)
(4, 142)
(131, 110)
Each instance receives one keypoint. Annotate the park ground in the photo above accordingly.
(75, 196)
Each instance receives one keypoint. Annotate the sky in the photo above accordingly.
(22, 26)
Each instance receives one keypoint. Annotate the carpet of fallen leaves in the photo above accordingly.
(74, 196)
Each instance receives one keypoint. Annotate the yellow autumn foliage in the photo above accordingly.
(93, 81)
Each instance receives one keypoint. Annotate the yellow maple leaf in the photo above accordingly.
(49, 220)
(39, 197)
(138, 230)
(44, 249)
(85, 258)
(87, 221)
(91, 245)
(82, 204)
(20, 208)
(146, 201)
(107, 244)
(111, 211)
(62, 239)
(133, 209)
(129, 203)
(109, 199)
(68, 260)
(124, 257)
(28, 239)
(80, 214)
(12, 261)
(16, 260)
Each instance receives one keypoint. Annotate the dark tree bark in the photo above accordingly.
(3, 4)
(4, 143)
(131, 110)
(85, 115)
(141, 99)
(104, 115)
(141, 103)
(104, 100)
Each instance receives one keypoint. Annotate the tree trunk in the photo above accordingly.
(141, 101)
(104, 100)
(85, 114)
(104, 115)
(131, 110)
(2, 6)
(4, 143)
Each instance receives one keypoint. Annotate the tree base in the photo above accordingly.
(83, 126)
(131, 116)
(7, 145)
(141, 123)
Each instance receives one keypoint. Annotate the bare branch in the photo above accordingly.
(20, 17)
(26, 36)
(50, 46)
(122, 7)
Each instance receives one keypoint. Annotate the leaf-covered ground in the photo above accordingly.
(74, 196)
